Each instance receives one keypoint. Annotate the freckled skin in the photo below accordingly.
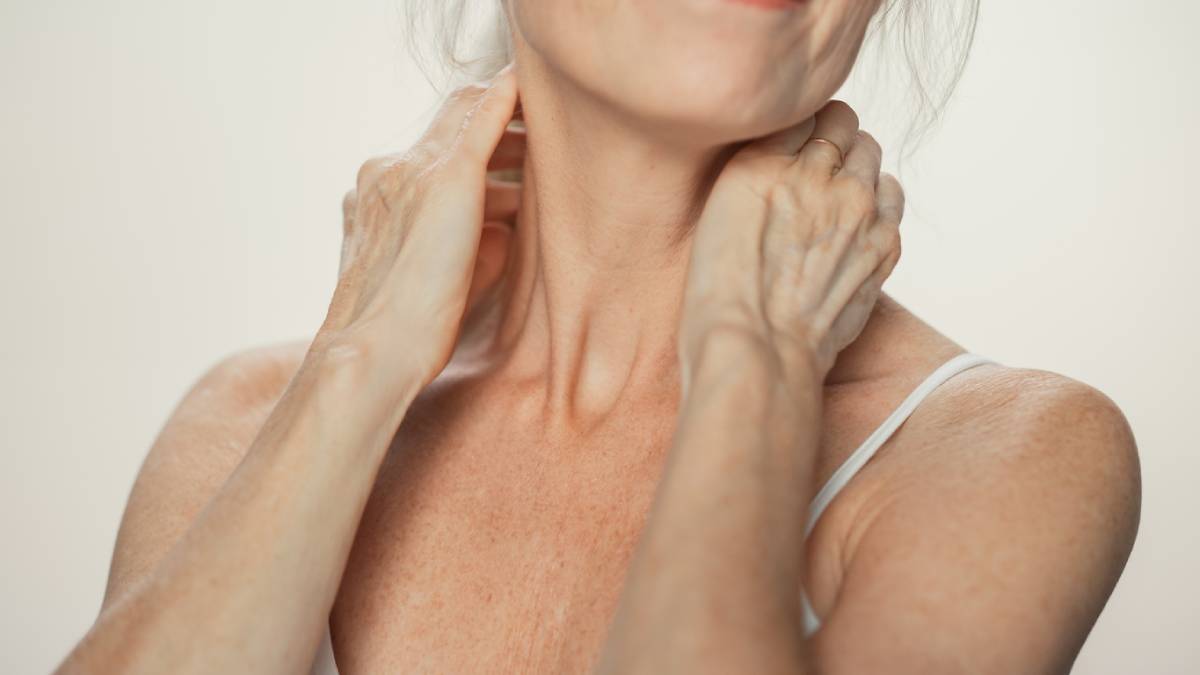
(499, 529)
(505, 548)
(481, 532)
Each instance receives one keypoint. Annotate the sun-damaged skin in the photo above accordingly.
(605, 464)
(249, 586)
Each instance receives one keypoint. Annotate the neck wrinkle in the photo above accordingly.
(590, 302)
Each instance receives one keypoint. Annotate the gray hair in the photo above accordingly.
(466, 41)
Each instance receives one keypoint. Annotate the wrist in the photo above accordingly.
(748, 358)
(357, 373)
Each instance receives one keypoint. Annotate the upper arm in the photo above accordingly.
(1001, 560)
(194, 453)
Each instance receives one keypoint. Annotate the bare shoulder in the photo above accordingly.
(997, 394)
(1036, 423)
(228, 402)
(197, 448)
(257, 372)
(1060, 446)
(1001, 525)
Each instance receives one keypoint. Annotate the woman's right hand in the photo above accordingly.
(411, 235)
(246, 479)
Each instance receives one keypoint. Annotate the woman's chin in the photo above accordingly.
(720, 125)
(716, 114)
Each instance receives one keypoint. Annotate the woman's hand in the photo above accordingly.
(411, 255)
(794, 245)
(425, 231)
(787, 260)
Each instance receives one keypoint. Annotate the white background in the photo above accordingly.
(170, 184)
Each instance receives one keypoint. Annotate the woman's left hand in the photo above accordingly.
(793, 246)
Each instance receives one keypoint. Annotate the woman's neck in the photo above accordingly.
(590, 302)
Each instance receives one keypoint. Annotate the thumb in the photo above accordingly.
(486, 122)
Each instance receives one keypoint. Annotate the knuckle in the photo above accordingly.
(349, 204)
(893, 239)
(893, 257)
(386, 173)
(813, 173)
(422, 156)
(373, 184)
(869, 210)
(859, 198)
(866, 140)
(368, 171)
(784, 196)
(891, 192)
(375, 169)
(889, 182)
(891, 243)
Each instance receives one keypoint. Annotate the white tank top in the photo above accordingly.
(324, 664)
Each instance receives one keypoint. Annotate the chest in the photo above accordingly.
(496, 550)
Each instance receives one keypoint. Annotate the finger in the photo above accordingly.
(349, 202)
(874, 244)
(889, 197)
(510, 151)
(863, 160)
(884, 235)
(850, 323)
(888, 264)
(884, 270)
(448, 123)
(836, 123)
(488, 120)
(490, 260)
(502, 201)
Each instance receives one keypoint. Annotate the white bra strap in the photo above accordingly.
(859, 457)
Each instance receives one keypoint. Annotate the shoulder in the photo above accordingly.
(1003, 523)
(226, 403)
(1060, 446)
(1027, 424)
(249, 375)
(195, 451)
(1024, 420)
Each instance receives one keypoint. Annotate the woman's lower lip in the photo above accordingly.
(770, 4)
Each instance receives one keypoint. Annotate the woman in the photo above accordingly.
(610, 437)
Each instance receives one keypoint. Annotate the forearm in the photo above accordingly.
(249, 586)
(714, 585)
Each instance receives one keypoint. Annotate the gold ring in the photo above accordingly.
(816, 139)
